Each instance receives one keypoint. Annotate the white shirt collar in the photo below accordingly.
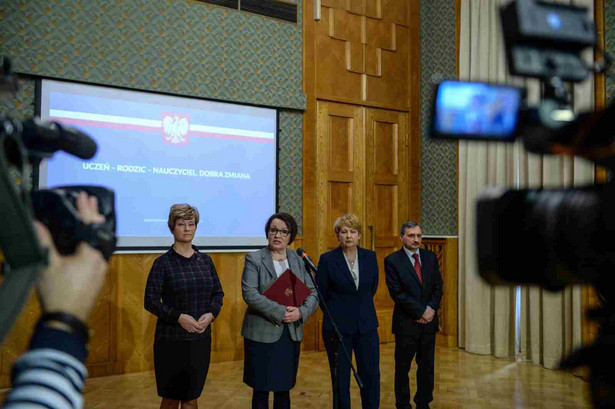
(409, 253)
(354, 270)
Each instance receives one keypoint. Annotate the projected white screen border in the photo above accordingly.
(155, 150)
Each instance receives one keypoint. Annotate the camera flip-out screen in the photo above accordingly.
(476, 110)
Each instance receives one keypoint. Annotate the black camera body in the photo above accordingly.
(566, 233)
(545, 40)
(20, 145)
(57, 209)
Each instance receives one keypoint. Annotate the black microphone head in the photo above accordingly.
(49, 137)
(300, 251)
(76, 143)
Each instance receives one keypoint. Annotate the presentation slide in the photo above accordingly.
(157, 150)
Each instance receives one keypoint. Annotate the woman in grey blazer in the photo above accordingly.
(273, 332)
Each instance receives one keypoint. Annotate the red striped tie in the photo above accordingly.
(417, 267)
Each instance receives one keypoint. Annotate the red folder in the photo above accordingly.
(288, 290)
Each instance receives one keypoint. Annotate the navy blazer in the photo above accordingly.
(410, 296)
(352, 309)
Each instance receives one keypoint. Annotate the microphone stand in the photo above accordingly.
(338, 338)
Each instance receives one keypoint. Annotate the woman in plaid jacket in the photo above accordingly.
(184, 292)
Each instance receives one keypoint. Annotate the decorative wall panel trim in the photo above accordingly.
(271, 8)
(362, 52)
(233, 4)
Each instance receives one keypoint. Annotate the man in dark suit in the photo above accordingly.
(415, 284)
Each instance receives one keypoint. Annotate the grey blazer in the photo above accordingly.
(263, 319)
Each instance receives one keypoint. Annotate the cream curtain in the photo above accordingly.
(486, 313)
(550, 323)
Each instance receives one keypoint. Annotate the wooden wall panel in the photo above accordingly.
(339, 167)
(136, 325)
(339, 201)
(395, 11)
(103, 326)
(362, 53)
(389, 89)
(386, 188)
(331, 74)
(227, 339)
(447, 252)
(340, 144)
(386, 209)
(386, 151)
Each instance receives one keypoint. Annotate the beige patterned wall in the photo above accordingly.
(438, 158)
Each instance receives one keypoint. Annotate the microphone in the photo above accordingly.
(306, 258)
(51, 136)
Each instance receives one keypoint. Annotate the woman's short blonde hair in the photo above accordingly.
(347, 220)
(182, 211)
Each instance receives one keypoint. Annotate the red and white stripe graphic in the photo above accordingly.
(76, 118)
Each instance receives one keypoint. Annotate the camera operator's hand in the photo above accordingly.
(71, 284)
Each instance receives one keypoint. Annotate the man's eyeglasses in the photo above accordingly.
(283, 233)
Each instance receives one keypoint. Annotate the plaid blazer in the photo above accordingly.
(262, 321)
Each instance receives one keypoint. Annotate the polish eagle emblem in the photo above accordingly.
(175, 129)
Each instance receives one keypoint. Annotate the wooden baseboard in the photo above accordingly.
(449, 341)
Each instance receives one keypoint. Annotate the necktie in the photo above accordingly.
(417, 267)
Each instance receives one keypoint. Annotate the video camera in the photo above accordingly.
(565, 232)
(544, 41)
(23, 145)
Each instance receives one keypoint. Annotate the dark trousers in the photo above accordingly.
(366, 349)
(260, 400)
(423, 345)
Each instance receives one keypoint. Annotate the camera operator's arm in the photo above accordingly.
(52, 373)
(412, 305)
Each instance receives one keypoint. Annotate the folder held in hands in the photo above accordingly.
(288, 290)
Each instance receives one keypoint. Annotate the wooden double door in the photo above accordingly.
(363, 168)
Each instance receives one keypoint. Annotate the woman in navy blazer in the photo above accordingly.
(348, 279)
